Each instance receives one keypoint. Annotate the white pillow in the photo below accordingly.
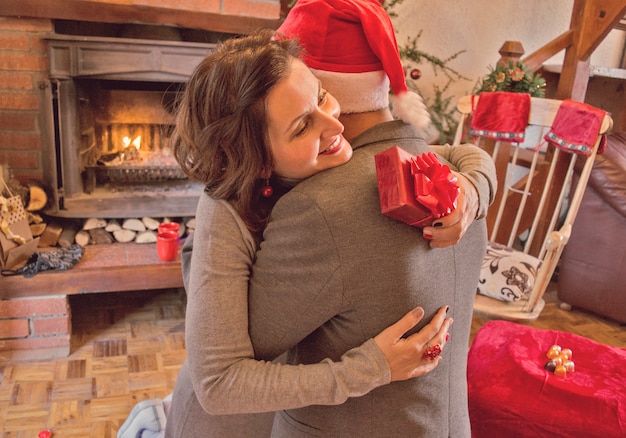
(507, 274)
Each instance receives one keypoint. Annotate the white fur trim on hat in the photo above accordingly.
(410, 108)
(356, 92)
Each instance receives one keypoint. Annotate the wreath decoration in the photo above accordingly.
(513, 77)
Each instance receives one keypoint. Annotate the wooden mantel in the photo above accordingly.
(111, 11)
(117, 267)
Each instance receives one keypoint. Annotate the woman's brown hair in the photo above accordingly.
(220, 136)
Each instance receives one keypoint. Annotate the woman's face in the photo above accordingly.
(304, 132)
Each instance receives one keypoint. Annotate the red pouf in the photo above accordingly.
(512, 395)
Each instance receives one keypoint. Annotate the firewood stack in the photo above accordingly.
(97, 231)
(91, 231)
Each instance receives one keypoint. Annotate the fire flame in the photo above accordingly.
(136, 142)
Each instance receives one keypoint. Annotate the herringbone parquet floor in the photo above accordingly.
(129, 347)
(126, 347)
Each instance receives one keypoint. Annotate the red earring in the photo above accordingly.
(267, 190)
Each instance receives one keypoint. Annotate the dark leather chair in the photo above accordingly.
(592, 274)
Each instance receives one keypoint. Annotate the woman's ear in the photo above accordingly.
(265, 174)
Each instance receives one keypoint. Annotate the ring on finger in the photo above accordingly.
(431, 353)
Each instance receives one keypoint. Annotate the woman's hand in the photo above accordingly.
(449, 230)
(406, 356)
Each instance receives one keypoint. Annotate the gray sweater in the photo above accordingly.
(220, 376)
(332, 272)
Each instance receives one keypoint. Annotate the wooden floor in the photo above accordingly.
(129, 347)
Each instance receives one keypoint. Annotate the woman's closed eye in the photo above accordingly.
(303, 126)
(321, 101)
(323, 97)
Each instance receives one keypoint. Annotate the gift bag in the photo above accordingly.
(16, 240)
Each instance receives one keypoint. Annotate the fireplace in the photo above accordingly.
(109, 113)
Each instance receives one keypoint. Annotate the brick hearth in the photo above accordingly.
(35, 313)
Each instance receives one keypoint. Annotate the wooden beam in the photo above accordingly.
(574, 78)
(593, 20)
(126, 13)
(536, 59)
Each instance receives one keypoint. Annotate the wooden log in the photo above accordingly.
(113, 225)
(51, 235)
(150, 223)
(83, 238)
(68, 235)
(146, 237)
(134, 225)
(34, 218)
(93, 223)
(124, 236)
(100, 236)
(37, 229)
(37, 198)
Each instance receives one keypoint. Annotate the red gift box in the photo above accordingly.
(397, 172)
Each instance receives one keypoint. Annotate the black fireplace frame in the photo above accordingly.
(109, 59)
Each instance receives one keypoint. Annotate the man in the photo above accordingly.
(333, 271)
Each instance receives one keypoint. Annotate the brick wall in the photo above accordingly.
(35, 323)
(23, 65)
(29, 323)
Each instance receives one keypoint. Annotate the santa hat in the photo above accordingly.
(351, 47)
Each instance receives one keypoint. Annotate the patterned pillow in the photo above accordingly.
(507, 274)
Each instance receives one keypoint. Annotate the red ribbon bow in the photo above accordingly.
(435, 185)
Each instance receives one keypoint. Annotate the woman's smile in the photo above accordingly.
(336, 146)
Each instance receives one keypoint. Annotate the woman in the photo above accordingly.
(253, 121)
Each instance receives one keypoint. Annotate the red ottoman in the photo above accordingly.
(512, 395)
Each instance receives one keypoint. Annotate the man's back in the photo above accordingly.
(349, 270)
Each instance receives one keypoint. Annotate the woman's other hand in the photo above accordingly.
(406, 356)
(449, 230)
